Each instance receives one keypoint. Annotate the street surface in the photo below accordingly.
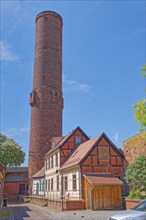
(32, 212)
(29, 212)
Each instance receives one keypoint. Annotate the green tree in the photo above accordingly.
(136, 176)
(11, 153)
(140, 107)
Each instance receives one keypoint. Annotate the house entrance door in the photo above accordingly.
(21, 189)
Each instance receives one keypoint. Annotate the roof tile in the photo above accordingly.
(98, 180)
(80, 152)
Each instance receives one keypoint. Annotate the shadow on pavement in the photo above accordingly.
(19, 212)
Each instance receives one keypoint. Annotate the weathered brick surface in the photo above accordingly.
(130, 203)
(46, 97)
(134, 146)
(11, 190)
(75, 204)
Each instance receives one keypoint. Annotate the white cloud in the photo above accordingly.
(15, 132)
(116, 136)
(75, 85)
(7, 53)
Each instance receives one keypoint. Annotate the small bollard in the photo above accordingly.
(4, 201)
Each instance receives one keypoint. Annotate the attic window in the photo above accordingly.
(78, 140)
(52, 144)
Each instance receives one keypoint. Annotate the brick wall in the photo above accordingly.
(130, 203)
(135, 145)
(46, 97)
(75, 204)
(11, 191)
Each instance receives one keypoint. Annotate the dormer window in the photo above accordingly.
(78, 140)
(52, 144)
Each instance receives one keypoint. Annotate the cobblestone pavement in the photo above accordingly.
(32, 212)
(29, 212)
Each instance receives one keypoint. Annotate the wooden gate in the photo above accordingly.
(99, 197)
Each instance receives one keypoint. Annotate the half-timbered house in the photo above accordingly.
(62, 149)
(100, 160)
(84, 173)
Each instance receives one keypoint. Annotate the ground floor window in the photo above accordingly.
(41, 185)
(52, 184)
(58, 183)
(74, 182)
(65, 183)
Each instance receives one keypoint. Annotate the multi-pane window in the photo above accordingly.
(46, 185)
(51, 184)
(42, 185)
(65, 183)
(52, 162)
(49, 163)
(57, 182)
(74, 182)
(56, 159)
(78, 140)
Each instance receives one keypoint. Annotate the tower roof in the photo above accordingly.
(45, 13)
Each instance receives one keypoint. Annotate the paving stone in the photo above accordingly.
(31, 212)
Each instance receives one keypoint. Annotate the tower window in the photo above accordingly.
(43, 77)
(45, 19)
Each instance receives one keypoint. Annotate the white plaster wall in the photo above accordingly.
(55, 168)
(69, 194)
(76, 193)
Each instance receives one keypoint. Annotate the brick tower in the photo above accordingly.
(46, 97)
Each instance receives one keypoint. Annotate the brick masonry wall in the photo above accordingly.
(135, 145)
(130, 203)
(11, 190)
(46, 97)
(75, 204)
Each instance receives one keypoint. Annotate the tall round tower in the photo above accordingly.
(46, 97)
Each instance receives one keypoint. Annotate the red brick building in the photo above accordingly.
(16, 183)
(134, 146)
(2, 177)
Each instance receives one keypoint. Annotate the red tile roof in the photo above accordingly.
(55, 141)
(80, 152)
(64, 139)
(40, 173)
(98, 180)
(17, 169)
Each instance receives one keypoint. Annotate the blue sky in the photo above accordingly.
(103, 49)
